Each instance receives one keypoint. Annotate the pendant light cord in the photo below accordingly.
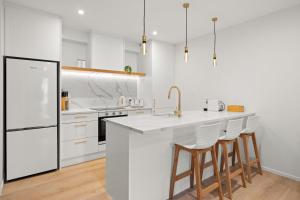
(215, 37)
(144, 17)
(186, 26)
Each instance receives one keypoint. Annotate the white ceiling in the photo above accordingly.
(124, 17)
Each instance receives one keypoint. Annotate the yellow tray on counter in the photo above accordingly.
(235, 108)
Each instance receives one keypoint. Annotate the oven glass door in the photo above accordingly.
(102, 128)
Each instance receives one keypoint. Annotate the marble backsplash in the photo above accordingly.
(97, 89)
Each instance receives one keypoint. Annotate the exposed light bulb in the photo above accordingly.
(214, 60)
(144, 48)
(144, 45)
(186, 52)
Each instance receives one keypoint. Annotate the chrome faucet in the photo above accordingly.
(178, 111)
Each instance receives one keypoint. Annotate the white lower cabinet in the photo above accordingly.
(79, 139)
(80, 147)
(79, 130)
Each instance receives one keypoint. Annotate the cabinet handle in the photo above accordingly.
(80, 142)
(83, 125)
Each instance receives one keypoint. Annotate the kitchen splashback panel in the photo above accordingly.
(97, 89)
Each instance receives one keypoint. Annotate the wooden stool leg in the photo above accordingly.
(247, 157)
(227, 170)
(240, 162)
(233, 154)
(217, 155)
(202, 164)
(256, 153)
(193, 172)
(222, 162)
(197, 172)
(174, 170)
(216, 171)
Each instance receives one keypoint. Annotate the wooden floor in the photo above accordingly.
(87, 182)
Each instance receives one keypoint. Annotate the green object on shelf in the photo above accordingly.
(128, 69)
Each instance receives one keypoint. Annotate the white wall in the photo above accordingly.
(107, 52)
(1, 90)
(259, 67)
(131, 59)
(75, 35)
(163, 62)
(132, 46)
(72, 51)
(158, 64)
(31, 33)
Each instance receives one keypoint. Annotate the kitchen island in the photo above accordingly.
(140, 148)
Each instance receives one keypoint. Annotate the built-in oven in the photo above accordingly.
(102, 123)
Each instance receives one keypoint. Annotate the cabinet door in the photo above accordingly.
(79, 130)
(31, 34)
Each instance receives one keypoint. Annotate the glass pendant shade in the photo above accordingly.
(186, 54)
(144, 38)
(215, 42)
(144, 45)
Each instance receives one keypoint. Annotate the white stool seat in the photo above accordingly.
(204, 137)
(233, 129)
(251, 126)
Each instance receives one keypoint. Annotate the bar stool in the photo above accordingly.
(249, 132)
(203, 140)
(233, 131)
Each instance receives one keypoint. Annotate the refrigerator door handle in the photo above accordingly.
(30, 128)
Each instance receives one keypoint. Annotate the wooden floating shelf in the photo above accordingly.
(79, 69)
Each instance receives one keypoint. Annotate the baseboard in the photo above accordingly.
(1, 186)
(81, 159)
(280, 173)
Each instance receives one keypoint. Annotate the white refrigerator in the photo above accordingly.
(31, 116)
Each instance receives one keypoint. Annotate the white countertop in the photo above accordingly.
(87, 110)
(149, 123)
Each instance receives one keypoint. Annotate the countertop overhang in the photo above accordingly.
(148, 123)
(88, 110)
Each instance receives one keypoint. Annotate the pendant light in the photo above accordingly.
(186, 50)
(215, 41)
(144, 38)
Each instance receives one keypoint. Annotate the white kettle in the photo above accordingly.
(122, 101)
(215, 105)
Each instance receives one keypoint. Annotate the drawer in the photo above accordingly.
(138, 112)
(79, 130)
(79, 118)
(81, 147)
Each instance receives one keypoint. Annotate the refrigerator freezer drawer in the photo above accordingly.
(30, 152)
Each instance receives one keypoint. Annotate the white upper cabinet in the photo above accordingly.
(106, 52)
(32, 34)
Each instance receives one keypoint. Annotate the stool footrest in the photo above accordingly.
(208, 164)
(254, 161)
(183, 175)
(210, 188)
(236, 173)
